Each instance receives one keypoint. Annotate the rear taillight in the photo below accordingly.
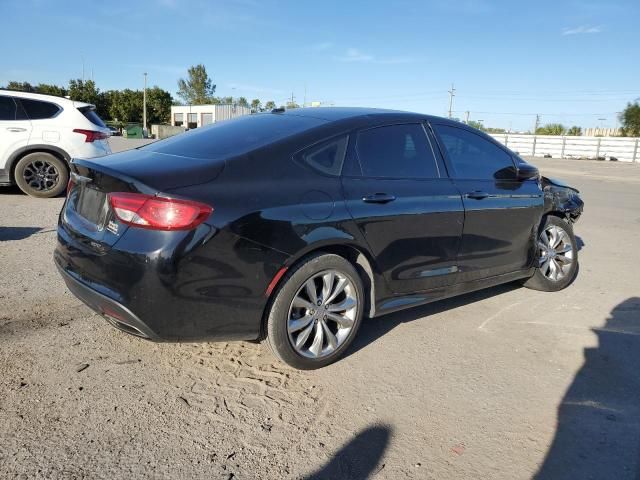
(92, 135)
(70, 185)
(158, 213)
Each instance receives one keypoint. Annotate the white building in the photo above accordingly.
(194, 116)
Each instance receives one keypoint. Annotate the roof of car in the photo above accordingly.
(340, 113)
(41, 96)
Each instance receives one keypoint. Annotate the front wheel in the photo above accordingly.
(557, 256)
(316, 312)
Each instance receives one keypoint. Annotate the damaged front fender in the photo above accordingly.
(562, 199)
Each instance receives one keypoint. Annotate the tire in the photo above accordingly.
(543, 278)
(41, 175)
(291, 314)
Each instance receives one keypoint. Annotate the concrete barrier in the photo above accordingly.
(165, 131)
(624, 149)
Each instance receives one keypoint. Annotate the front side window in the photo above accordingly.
(396, 151)
(7, 108)
(327, 156)
(472, 156)
(39, 110)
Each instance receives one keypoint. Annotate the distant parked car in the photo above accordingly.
(292, 226)
(114, 131)
(40, 134)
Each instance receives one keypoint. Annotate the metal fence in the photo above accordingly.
(624, 149)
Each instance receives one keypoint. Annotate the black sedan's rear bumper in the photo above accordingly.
(116, 314)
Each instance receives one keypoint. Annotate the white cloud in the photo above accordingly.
(353, 55)
(582, 29)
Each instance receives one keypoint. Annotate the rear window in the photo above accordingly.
(39, 110)
(7, 108)
(234, 137)
(326, 156)
(91, 115)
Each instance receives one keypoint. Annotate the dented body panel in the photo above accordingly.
(562, 199)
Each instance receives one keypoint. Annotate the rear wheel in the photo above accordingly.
(41, 174)
(316, 312)
(557, 256)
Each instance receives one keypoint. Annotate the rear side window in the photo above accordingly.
(396, 151)
(234, 137)
(91, 115)
(7, 108)
(472, 156)
(328, 156)
(38, 110)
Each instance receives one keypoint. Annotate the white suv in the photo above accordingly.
(40, 134)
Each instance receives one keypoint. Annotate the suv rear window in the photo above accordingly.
(91, 115)
(38, 110)
(7, 108)
(234, 137)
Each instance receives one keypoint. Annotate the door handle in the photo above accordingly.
(16, 129)
(379, 198)
(477, 194)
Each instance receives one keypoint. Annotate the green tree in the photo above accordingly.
(126, 105)
(256, 105)
(158, 105)
(50, 89)
(551, 129)
(226, 100)
(574, 131)
(630, 119)
(475, 124)
(270, 105)
(242, 102)
(291, 105)
(20, 86)
(197, 89)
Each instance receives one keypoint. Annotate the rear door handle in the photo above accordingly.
(16, 129)
(478, 195)
(379, 198)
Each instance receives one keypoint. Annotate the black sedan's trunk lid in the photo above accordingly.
(87, 215)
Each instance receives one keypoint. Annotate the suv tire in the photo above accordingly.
(41, 175)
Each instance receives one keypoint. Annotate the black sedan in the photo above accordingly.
(293, 226)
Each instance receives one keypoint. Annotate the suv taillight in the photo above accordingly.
(91, 135)
(158, 213)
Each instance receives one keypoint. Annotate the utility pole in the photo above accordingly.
(304, 103)
(536, 125)
(144, 107)
(466, 116)
(452, 93)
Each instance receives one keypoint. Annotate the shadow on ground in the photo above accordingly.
(374, 328)
(17, 233)
(359, 459)
(598, 432)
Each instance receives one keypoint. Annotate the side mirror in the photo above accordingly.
(526, 171)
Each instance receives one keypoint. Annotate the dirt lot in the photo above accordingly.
(506, 383)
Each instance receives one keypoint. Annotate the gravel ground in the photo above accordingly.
(506, 383)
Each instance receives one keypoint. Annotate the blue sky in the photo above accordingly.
(571, 61)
